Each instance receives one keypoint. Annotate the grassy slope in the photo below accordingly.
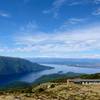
(56, 91)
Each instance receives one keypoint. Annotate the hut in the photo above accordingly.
(86, 81)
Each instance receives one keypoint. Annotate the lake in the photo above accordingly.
(58, 68)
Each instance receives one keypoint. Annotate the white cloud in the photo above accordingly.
(91, 56)
(61, 43)
(4, 14)
(72, 21)
(75, 3)
(46, 11)
(30, 27)
(97, 1)
(75, 20)
(57, 44)
(56, 5)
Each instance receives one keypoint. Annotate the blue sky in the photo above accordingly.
(50, 28)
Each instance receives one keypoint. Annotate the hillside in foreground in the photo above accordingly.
(55, 91)
(12, 65)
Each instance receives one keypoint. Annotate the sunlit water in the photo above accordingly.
(57, 68)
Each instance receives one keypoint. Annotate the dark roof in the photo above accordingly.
(85, 80)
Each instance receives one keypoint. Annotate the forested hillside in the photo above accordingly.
(10, 65)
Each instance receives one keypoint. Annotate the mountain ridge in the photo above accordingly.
(13, 65)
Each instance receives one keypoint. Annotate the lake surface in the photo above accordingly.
(58, 68)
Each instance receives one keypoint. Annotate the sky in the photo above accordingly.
(50, 28)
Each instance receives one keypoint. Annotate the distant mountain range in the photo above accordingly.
(11, 65)
(68, 61)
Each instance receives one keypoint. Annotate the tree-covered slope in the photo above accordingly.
(56, 77)
(90, 76)
(10, 65)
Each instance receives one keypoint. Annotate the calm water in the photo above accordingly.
(57, 68)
